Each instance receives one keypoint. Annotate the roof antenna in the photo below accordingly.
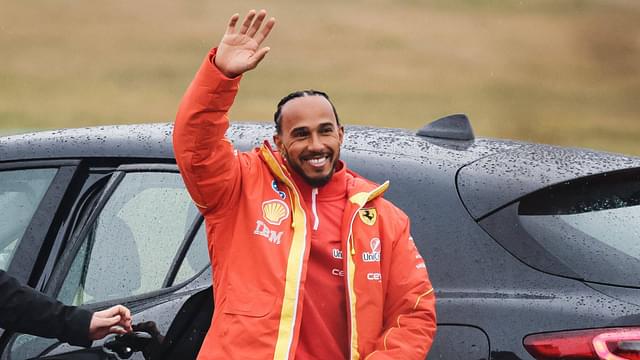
(451, 127)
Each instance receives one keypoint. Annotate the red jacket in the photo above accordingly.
(257, 229)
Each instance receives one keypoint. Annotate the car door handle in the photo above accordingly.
(123, 346)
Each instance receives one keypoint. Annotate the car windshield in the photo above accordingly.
(20, 195)
(591, 226)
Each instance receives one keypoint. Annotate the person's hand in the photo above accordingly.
(114, 320)
(240, 51)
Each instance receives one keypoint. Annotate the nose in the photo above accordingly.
(315, 143)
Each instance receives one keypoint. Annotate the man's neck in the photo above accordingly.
(335, 187)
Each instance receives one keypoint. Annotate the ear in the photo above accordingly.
(341, 133)
(277, 140)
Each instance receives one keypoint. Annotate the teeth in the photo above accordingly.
(318, 161)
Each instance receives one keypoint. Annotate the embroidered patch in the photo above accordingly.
(374, 255)
(263, 230)
(368, 216)
(275, 211)
(375, 276)
(274, 186)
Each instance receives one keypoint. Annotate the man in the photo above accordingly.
(23, 309)
(309, 261)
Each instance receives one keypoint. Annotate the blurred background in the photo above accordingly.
(560, 72)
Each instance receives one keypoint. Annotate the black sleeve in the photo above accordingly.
(25, 310)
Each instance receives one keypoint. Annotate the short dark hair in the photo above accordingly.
(277, 116)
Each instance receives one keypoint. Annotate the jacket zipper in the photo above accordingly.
(296, 199)
(316, 221)
(352, 251)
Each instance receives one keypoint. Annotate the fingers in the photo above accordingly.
(127, 326)
(101, 326)
(266, 29)
(232, 23)
(114, 315)
(257, 23)
(247, 21)
(124, 312)
(116, 322)
(258, 56)
(115, 310)
(117, 330)
(251, 25)
(125, 317)
(116, 319)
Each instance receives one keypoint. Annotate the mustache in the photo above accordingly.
(311, 155)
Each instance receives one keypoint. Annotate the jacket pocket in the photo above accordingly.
(256, 303)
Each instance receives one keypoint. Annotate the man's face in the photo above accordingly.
(310, 138)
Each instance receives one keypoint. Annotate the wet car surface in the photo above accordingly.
(520, 239)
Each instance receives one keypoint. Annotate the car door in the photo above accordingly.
(31, 197)
(133, 237)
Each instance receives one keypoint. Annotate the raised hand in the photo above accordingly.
(240, 51)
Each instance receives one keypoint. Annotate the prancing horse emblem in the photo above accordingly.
(368, 216)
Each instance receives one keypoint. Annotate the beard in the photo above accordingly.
(316, 181)
(312, 181)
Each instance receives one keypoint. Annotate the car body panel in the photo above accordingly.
(155, 141)
(528, 168)
(487, 299)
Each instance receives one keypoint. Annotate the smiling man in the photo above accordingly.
(311, 144)
(309, 260)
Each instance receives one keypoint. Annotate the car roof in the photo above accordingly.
(490, 173)
(154, 141)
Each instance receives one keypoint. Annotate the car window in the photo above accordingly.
(131, 246)
(20, 194)
(196, 259)
(587, 228)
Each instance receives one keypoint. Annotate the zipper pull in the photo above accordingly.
(353, 246)
(316, 220)
(293, 214)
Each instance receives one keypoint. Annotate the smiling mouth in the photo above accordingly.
(318, 161)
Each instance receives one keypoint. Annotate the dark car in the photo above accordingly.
(534, 250)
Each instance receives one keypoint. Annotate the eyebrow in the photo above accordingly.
(321, 125)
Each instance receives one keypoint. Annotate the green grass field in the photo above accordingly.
(562, 72)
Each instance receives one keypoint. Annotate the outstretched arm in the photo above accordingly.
(25, 310)
(205, 157)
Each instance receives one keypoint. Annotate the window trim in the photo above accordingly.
(178, 259)
(39, 234)
(80, 231)
(37, 164)
(87, 197)
(173, 168)
(83, 226)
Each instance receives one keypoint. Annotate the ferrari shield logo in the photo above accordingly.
(368, 216)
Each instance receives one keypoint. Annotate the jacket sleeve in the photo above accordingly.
(409, 309)
(205, 157)
(28, 311)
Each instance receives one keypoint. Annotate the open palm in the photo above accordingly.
(240, 51)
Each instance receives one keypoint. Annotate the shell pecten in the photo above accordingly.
(275, 211)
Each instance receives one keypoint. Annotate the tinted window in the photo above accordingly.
(588, 228)
(132, 244)
(196, 259)
(20, 194)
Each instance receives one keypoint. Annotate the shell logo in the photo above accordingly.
(275, 211)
